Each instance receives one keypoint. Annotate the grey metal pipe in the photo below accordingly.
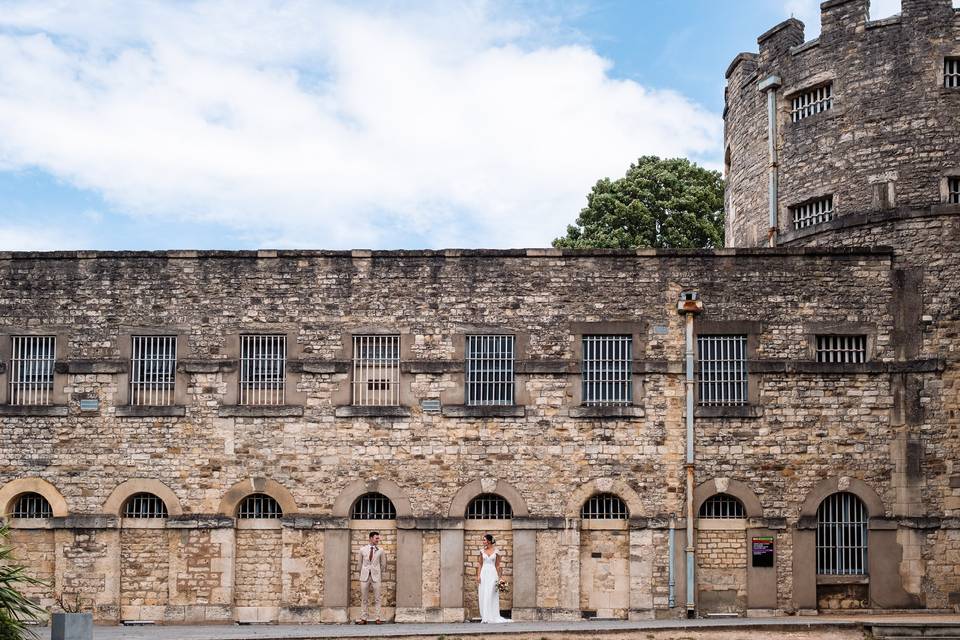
(770, 85)
(691, 607)
(671, 580)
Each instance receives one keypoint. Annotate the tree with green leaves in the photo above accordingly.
(15, 608)
(670, 203)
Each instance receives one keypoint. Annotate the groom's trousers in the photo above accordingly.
(365, 587)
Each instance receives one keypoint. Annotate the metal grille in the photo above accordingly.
(604, 506)
(841, 348)
(722, 379)
(259, 505)
(144, 505)
(812, 213)
(32, 505)
(812, 102)
(489, 506)
(263, 360)
(490, 370)
(722, 506)
(953, 190)
(376, 370)
(153, 366)
(842, 535)
(31, 369)
(951, 73)
(607, 363)
(373, 506)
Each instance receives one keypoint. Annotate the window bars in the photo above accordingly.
(604, 506)
(722, 378)
(489, 506)
(607, 364)
(32, 505)
(144, 505)
(812, 213)
(951, 73)
(31, 369)
(953, 190)
(376, 371)
(373, 506)
(263, 360)
(841, 348)
(259, 506)
(722, 506)
(153, 366)
(489, 370)
(842, 535)
(811, 102)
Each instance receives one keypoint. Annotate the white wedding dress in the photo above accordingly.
(487, 594)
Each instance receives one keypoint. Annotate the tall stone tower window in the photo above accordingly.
(842, 349)
(607, 370)
(604, 506)
(951, 73)
(842, 535)
(489, 506)
(373, 506)
(153, 366)
(31, 369)
(259, 506)
(376, 370)
(722, 378)
(144, 505)
(953, 190)
(722, 506)
(811, 102)
(263, 360)
(31, 505)
(489, 369)
(812, 213)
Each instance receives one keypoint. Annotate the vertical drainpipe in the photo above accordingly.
(770, 85)
(689, 306)
(671, 580)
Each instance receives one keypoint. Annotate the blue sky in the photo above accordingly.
(218, 124)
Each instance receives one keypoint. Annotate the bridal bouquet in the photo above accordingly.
(502, 586)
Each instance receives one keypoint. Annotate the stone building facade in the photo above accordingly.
(210, 436)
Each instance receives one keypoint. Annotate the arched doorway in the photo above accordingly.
(604, 557)
(487, 513)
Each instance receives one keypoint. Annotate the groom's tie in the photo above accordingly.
(371, 553)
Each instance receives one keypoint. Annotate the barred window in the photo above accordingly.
(604, 506)
(376, 370)
(32, 505)
(722, 506)
(373, 506)
(607, 363)
(153, 366)
(263, 360)
(722, 378)
(953, 190)
(144, 505)
(812, 213)
(489, 506)
(842, 535)
(812, 102)
(841, 348)
(259, 506)
(489, 371)
(31, 369)
(951, 73)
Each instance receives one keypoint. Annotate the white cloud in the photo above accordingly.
(808, 11)
(39, 238)
(309, 124)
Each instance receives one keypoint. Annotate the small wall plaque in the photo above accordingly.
(89, 404)
(430, 405)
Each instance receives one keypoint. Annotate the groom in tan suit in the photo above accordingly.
(373, 564)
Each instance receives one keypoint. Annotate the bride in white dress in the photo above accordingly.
(488, 576)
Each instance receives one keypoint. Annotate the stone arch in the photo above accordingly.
(16, 488)
(458, 506)
(357, 488)
(231, 499)
(603, 485)
(124, 490)
(830, 486)
(735, 488)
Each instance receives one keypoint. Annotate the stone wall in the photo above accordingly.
(388, 542)
(471, 559)
(722, 567)
(605, 572)
(36, 549)
(144, 570)
(259, 553)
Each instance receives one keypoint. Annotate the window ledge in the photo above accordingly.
(738, 411)
(483, 411)
(628, 411)
(145, 411)
(352, 411)
(261, 411)
(832, 579)
(34, 410)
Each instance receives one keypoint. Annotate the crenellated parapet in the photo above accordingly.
(865, 122)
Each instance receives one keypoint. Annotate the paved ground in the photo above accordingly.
(784, 627)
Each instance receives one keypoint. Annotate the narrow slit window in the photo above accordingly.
(153, 366)
(953, 190)
(489, 506)
(812, 213)
(263, 363)
(604, 506)
(31, 369)
(376, 370)
(144, 505)
(722, 378)
(811, 102)
(373, 506)
(259, 506)
(951, 73)
(722, 506)
(32, 505)
(489, 369)
(842, 349)
(607, 376)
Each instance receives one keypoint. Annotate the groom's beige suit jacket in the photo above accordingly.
(372, 569)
